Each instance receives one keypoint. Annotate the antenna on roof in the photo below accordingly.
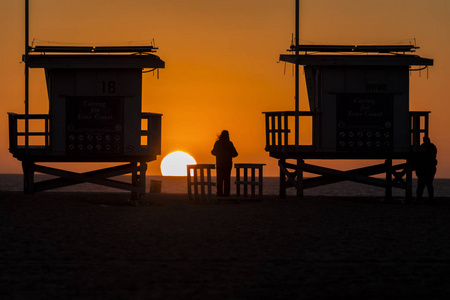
(27, 75)
(297, 41)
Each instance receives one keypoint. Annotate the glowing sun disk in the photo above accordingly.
(174, 164)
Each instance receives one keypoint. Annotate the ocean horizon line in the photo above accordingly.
(178, 185)
(214, 176)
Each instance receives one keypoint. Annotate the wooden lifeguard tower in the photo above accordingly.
(358, 109)
(95, 100)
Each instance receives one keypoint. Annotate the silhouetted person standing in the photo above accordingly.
(224, 152)
(426, 168)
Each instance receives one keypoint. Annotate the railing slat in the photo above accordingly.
(286, 130)
(280, 131)
(273, 130)
(267, 117)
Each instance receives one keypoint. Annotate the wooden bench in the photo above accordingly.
(199, 177)
(256, 180)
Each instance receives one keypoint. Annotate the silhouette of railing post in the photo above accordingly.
(196, 178)
(253, 182)
(419, 127)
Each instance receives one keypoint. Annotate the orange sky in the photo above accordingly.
(221, 61)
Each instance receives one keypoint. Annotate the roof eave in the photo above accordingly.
(56, 61)
(357, 60)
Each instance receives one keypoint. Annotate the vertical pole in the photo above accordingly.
(28, 176)
(26, 73)
(142, 179)
(297, 93)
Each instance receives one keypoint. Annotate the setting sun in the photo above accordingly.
(174, 164)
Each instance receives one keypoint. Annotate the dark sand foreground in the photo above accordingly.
(94, 246)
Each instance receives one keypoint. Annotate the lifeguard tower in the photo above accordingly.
(358, 109)
(95, 115)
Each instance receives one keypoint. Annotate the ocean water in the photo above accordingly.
(178, 185)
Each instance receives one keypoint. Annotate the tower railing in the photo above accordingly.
(38, 136)
(280, 137)
(281, 134)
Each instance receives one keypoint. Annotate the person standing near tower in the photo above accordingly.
(224, 151)
(426, 168)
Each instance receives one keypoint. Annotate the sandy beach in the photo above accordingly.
(61, 245)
